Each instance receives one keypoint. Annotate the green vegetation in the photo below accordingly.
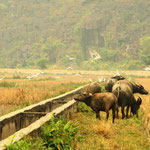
(145, 53)
(42, 63)
(59, 134)
(7, 84)
(28, 144)
(41, 34)
(56, 135)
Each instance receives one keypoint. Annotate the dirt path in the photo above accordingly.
(127, 134)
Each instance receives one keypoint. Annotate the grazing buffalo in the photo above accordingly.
(124, 90)
(112, 81)
(93, 88)
(99, 102)
(136, 105)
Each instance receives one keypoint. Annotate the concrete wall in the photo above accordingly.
(15, 121)
(34, 128)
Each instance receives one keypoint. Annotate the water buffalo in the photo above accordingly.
(135, 105)
(124, 90)
(112, 81)
(99, 102)
(93, 88)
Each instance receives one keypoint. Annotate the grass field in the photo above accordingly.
(16, 91)
(126, 134)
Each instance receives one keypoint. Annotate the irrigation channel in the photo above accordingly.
(27, 121)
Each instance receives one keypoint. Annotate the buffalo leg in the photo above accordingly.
(122, 110)
(113, 114)
(98, 115)
(107, 115)
(117, 112)
(127, 110)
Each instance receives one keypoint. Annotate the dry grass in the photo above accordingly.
(102, 128)
(145, 98)
(26, 92)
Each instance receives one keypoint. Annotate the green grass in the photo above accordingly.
(28, 144)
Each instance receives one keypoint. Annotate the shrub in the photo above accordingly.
(58, 134)
(82, 107)
(42, 63)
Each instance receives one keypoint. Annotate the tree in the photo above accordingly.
(145, 53)
(42, 63)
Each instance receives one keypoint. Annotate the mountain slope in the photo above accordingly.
(49, 29)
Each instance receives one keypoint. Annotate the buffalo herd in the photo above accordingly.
(120, 93)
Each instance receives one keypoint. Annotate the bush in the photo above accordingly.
(108, 54)
(82, 107)
(145, 59)
(59, 134)
(42, 63)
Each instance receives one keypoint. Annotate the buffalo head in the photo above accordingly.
(118, 77)
(139, 89)
(136, 105)
(84, 97)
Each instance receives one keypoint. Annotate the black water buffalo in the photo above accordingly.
(93, 88)
(99, 102)
(135, 105)
(123, 89)
(112, 81)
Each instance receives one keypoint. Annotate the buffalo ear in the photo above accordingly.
(139, 101)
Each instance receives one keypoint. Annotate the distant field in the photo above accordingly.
(25, 72)
(16, 91)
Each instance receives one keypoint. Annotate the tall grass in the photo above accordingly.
(22, 92)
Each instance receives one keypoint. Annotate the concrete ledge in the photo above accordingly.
(34, 128)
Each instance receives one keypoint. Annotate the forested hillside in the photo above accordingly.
(45, 33)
